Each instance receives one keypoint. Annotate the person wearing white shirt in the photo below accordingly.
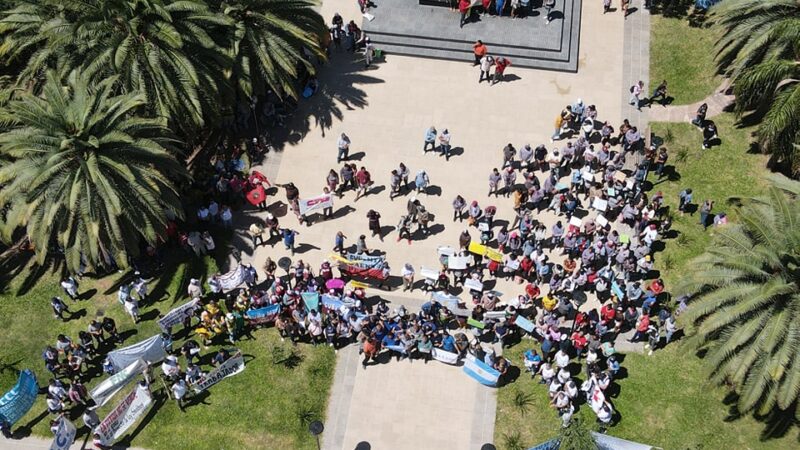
(408, 277)
(562, 359)
(202, 214)
(227, 217)
(179, 391)
(214, 284)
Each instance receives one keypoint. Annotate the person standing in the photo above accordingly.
(404, 228)
(289, 239)
(548, 6)
(369, 52)
(257, 233)
(684, 199)
(444, 142)
(70, 286)
(494, 182)
(459, 204)
(344, 148)
(140, 287)
(705, 211)
(408, 277)
(374, 218)
(486, 66)
(59, 308)
(661, 162)
(636, 93)
(700, 117)
(394, 183)
(364, 182)
(422, 181)
(338, 242)
(404, 173)
(430, 139)
(179, 391)
(463, 9)
(480, 50)
(500, 67)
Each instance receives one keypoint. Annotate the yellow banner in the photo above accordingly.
(480, 249)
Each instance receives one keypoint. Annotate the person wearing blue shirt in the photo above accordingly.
(449, 343)
(430, 139)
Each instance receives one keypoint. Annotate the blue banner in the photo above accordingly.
(19, 400)
(617, 291)
(331, 303)
(311, 299)
(524, 323)
(261, 315)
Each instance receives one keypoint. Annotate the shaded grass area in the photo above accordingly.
(266, 406)
(664, 399)
(683, 55)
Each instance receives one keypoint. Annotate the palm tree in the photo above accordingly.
(166, 50)
(268, 39)
(745, 313)
(760, 51)
(82, 172)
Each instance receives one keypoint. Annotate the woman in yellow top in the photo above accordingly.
(549, 303)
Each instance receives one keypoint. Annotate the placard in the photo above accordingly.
(473, 285)
(430, 274)
(458, 262)
(601, 220)
(575, 221)
(600, 204)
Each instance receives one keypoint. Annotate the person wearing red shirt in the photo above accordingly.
(500, 65)
(364, 180)
(463, 7)
(526, 265)
(641, 328)
(607, 312)
(579, 342)
(480, 50)
(532, 291)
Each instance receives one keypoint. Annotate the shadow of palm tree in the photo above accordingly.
(338, 91)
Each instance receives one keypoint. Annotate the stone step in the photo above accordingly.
(462, 51)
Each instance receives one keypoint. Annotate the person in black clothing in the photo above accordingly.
(110, 327)
(709, 134)
(660, 92)
(700, 118)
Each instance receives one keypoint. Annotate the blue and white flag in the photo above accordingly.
(265, 314)
(524, 324)
(480, 371)
(332, 303)
(397, 348)
(19, 400)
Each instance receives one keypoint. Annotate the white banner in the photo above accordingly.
(150, 350)
(113, 384)
(314, 203)
(445, 357)
(430, 274)
(232, 279)
(125, 414)
(231, 367)
(177, 315)
(65, 435)
(474, 285)
(458, 262)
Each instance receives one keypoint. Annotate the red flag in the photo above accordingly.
(256, 195)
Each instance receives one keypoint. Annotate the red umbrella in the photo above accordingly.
(257, 195)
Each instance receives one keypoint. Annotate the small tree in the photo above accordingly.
(576, 437)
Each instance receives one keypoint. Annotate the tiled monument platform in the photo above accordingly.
(405, 27)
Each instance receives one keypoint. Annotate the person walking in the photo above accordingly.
(444, 143)
(289, 239)
(480, 50)
(364, 182)
(636, 93)
(661, 162)
(463, 9)
(660, 92)
(408, 277)
(684, 199)
(486, 66)
(344, 148)
(499, 68)
(430, 139)
(422, 181)
(705, 211)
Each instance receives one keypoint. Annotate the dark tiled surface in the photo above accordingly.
(407, 28)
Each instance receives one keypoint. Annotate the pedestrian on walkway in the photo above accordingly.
(464, 10)
(408, 277)
(422, 181)
(430, 139)
(394, 183)
(344, 148)
(660, 92)
(404, 173)
(700, 116)
(444, 143)
(364, 182)
(486, 66)
(480, 50)
(289, 238)
(636, 93)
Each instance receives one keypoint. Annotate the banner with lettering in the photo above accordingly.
(234, 365)
(231, 280)
(314, 203)
(124, 415)
(445, 357)
(177, 315)
(19, 400)
(263, 315)
(150, 350)
(65, 435)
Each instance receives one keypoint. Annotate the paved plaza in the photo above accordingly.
(385, 111)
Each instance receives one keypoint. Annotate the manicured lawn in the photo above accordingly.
(684, 56)
(664, 399)
(259, 408)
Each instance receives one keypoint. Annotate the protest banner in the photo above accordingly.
(231, 367)
(124, 415)
(475, 323)
(601, 220)
(600, 204)
(397, 348)
(150, 350)
(524, 324)
(263, 315)
(314, 203)
(230, 280)
(445, 357)
(311, 300)
(480, 371)
(365, 261)
(473, 285)
(445, 251)
(19, 400)
(65, 435)
(576, 221)
(331, 303)
(494, 315)
(458, 262)
(113, 384)
(430, 274)
(177, 315)
(480, 249)
(617, 290)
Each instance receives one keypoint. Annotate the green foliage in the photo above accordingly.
(523, 401)
(82, 172)
(758, 50)
(745, 313)
(576, 436)
(513, 441)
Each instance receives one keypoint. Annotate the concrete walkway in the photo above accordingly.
(717, 103)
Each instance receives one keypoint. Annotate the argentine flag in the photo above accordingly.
(480, 371)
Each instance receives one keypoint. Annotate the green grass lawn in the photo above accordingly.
(684, 56)
(266, 406)
(665, 399)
